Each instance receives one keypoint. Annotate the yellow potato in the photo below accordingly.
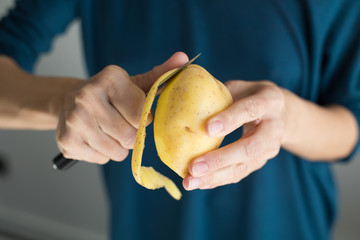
(184, 106)
(182, 110)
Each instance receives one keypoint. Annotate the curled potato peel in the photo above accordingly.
(147, 176)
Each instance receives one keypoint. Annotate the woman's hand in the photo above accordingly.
(260, 108)
(98, 120)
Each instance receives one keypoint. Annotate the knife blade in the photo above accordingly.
(61, 163)
(178, 70)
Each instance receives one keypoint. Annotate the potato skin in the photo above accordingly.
(183, 108)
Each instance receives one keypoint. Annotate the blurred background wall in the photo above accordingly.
(37, 202)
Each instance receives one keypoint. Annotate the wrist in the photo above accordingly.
(28, 101)
(289, 116)
(63, 94)
(44, 101)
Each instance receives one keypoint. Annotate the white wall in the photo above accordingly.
(39, 202)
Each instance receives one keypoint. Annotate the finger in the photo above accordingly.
(72, 146)
(123, 94)
(224, 176)
(235, 153)
(100, 113)
(229, 174)
(83, 152)
(120, 92)
(87, 126)
(128, 100)
(146, 80)
(263, 140)
(104, 144)
(243, 111)
(114, 125)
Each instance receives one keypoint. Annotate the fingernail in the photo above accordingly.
(215, 127)
(194, 183)
(199, 168)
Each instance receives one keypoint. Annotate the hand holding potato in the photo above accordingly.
(99, 118)
(260, 108)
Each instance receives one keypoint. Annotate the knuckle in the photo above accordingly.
(252, 149)
(140, 97)
(238, 171)
(129, 140)
(77, 118)
(107, 147)
(136, 118)
(231, 84)
(110, 76)
(124, 135)
(274, 151)
(80, 94)
(80, 115)
(91, 155)
(112, 68)
(66, 154)
(64, 139)
(84, 95)
(259, 163)
(71, 119)
(113, 86)
(107, 122)
(60, 135)
(136, 111)
(119, 83)
(275, 95)
(218, 161)
(267, 83)
(100, 160)
(156, 70)
(231, 120)
(113, 150)
(120, 155)
(251, 108)
(97, 84)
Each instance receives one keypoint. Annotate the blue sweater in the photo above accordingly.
(311, 47)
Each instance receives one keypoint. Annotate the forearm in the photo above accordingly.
(318, 133)
(28, 101)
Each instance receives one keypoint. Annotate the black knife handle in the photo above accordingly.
(61, 163)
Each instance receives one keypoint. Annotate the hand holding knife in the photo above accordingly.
(61, 163)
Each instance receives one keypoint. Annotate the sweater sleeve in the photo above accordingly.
(29, 28)
(341, 68)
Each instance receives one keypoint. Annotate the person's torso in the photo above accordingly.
(289, 198)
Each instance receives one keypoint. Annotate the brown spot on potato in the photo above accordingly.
(188, 129)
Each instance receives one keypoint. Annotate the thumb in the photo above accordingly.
(146, 80)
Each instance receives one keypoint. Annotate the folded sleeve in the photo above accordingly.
(341, 73)
(29, 28)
